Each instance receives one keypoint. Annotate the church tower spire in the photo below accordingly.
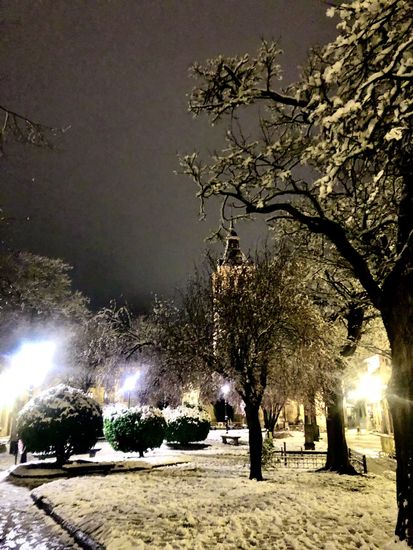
(232, 254)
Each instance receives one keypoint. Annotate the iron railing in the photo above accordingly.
(310, 460)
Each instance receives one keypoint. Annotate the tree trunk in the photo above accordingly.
(398, 320)
(255, 440)
(311, 430)
(308, 429)
(271, 415)
(316, 428)
(60, 455)
(337, 450)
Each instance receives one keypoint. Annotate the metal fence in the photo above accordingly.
(312, 460)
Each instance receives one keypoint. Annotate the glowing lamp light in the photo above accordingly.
(370, 388)
(10, 388)
(225, 389)
(373, 363)
(130, 383)
(28, 369)
(32, 362)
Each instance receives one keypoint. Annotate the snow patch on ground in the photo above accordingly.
(210, 504)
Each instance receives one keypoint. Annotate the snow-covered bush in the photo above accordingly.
(186, 424)
(61, 421)
(134, 430)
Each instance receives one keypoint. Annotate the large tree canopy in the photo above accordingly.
(333, 154)
(348, 120)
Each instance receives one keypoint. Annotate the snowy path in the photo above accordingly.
(24, 527)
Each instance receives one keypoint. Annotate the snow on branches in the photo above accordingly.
(332, 151)
(361, 99)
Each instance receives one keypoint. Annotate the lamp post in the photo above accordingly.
(225, 389)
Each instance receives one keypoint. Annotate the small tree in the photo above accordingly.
(187, 424)
(236, 326)
(135, 430)
(173, 367)
(60, 421)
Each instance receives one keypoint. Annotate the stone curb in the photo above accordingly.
(84, 540)
(100, 468)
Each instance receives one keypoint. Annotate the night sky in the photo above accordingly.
(116, 72)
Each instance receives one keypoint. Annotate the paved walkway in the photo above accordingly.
(22, 525)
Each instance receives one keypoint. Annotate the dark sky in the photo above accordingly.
(115, 71)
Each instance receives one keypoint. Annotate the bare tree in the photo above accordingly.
(103, 345)
(237, 325)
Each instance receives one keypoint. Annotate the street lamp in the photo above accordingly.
(129, 385)
(32, 362)
(28, 368)
(225, 389)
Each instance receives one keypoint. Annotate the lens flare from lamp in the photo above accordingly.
(373, 363)
(225, 389)
(130, 383)
(370, 388)
(32, 362)
(28, 368)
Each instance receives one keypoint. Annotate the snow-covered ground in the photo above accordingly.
(210, 503)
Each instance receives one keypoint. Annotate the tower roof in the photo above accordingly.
(233, 254)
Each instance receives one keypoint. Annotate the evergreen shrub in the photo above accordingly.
(134, 430)
(187, 424)
(269, 458)
(60, 421)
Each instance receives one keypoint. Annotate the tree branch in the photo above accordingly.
(280, 98)
(336, 234)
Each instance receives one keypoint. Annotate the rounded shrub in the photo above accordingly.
(60, 421)
(187, 424)
(134, 430)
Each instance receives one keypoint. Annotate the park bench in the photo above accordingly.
(234, 438)
(92, 452)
